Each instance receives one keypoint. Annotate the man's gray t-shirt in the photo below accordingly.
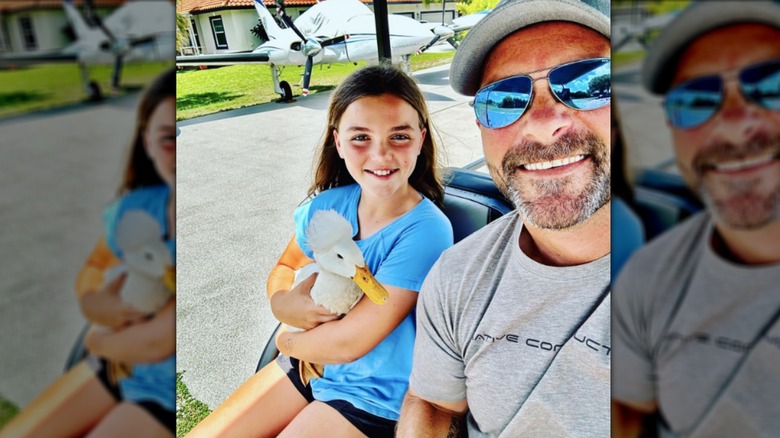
(527, 345)
(685, 322)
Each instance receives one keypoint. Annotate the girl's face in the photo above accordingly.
(160, 140)
(379, 139)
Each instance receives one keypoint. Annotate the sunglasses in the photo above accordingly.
(581, 85)
(693, 102)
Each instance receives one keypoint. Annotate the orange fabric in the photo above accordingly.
(282, 275)
(101, 259)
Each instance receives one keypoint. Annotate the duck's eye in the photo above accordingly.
(339, 256)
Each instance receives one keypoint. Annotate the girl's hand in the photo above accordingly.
(94, 339)
(104, 307)
(297, 309)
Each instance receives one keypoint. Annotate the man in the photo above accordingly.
(513, 323)
(697, 339)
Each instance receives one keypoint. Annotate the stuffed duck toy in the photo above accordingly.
(151, 275)
(343, 276)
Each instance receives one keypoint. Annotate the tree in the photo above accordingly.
(599, 83)
(182, 29)
(473, 6)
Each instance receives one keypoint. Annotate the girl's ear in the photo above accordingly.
(338, 143)
(423, 133)
(145, 141)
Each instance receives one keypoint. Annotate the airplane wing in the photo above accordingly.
(26, 60)
(466, 22)
(223, 59)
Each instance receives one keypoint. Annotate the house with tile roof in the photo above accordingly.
(223, 26)
(30, 26)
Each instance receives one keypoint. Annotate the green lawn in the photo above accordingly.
(189, 411)
(53, 85)
(622, 59)
(202, 92)
(7, 411)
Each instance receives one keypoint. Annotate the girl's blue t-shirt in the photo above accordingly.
(400, 254)
(149, 381)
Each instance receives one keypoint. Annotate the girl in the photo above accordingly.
(377, 168)
(88, 400)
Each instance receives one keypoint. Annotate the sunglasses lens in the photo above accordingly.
(761, 84)
(502, 103)
(693, 103)
(583, 85)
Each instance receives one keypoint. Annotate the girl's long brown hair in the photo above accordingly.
(140, 171)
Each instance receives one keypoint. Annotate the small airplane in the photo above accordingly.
(458, 25)
(139, 30)
(624, 33)
(332, 31)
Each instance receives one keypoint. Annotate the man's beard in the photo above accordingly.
(745, 203)
(555, 204)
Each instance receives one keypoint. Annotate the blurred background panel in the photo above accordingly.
(71, 73)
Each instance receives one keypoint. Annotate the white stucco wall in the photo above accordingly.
(236, 23)
(431, 13)
(47, 27)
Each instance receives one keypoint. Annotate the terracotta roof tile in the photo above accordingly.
(197, 6)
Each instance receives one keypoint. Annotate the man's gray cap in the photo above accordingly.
(510, 16)
(700, 17)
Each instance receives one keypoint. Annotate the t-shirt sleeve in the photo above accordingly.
(438, 371)
(150, 200)
(111, 216)
(633, 372)
(414, 252)
(301, 216)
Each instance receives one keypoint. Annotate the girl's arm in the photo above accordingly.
(148, 341)
(101, 303)
(294, 306)
(353, 336)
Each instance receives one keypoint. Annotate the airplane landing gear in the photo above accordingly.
(282, 88)
(286, 94)
(93, 92)
(92, 88)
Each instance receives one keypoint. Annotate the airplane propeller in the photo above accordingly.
(118, 46)
(311, 47)
(440, 31)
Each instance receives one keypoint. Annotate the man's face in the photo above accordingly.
(572, 146)
(733, 159)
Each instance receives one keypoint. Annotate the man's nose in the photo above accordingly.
(546, 119)
(738, 118)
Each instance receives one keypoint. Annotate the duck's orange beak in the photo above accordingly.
(368, 284)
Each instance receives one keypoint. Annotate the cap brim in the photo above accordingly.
(507, 18)
(700, 18)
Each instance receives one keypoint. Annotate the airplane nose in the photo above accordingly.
(443, 31)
